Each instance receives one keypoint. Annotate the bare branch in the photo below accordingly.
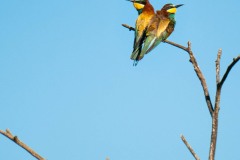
(15, 139)
(213, 142)
(201, 78)
(218, 65)
(129, 27)
(235, 60)
(214, 133)
(176, 45)
(189, 148)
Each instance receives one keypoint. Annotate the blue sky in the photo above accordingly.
(68, 88)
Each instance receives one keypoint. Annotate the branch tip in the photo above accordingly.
(129, 27)
(189, 147)
(235, 60)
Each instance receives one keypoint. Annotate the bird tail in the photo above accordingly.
(135, 53)
(135, 56)
(154, 45)
(147, 44)
(137, 49)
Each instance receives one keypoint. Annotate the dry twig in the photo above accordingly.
(189, 148)
(235, 60)
(15, 139)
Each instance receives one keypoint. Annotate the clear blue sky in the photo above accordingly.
(68, 88)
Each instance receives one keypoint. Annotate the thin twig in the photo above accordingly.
(176, 45)
(129, 27)
(235, 60)
(201, 78)
(15, 139)
(218, 66)
(189, 148)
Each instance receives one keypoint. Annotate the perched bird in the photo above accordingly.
(146, 12)
(160, 28)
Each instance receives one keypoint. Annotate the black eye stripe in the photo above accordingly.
(140, 2)
(168, 6)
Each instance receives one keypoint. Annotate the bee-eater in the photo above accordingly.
(146, 12)
(159, 29)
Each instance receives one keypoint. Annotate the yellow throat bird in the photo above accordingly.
(160, 28)
(146, 12)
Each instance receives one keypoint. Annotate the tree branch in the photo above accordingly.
(201, 78)
(214, 132)
(235, 60)
(218, 65)
(129, 27)
(15, 139)
(213, 142)
(189, 148)
(195, 66)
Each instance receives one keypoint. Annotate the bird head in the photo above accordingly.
(138, 4)
(170, 8)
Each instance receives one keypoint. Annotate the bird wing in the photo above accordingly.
(163, 24)
(161, 34)
(137, 48)
(140, 34)
(141, 25)
(150, 36)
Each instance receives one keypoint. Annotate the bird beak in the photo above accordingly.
(179, 5)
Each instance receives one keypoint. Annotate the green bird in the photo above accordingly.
(146, 12)
(160, 28)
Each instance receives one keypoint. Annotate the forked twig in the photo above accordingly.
(219, 82)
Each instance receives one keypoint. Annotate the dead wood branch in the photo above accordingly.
(15, 139)
(189, 147)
